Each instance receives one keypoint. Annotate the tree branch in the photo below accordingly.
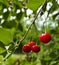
(8, 55)
(33, 22)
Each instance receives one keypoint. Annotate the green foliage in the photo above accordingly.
(14, 23)
(34, 4)
(2, 48)
(6, 36)
(55, 7)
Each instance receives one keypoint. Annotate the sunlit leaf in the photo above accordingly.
(35, 4)
(6, 35)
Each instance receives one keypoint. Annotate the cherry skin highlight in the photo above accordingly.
(45, 37)
(26, 48)
(32, 43)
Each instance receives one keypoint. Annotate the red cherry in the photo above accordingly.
(26, 48)
(32, 43)
(35, 48)
(45, 37)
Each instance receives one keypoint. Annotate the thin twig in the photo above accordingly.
(32, 22)
(8, 55)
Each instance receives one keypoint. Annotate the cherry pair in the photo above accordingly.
(31, 47)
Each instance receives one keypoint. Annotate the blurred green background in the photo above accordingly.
(15, 18)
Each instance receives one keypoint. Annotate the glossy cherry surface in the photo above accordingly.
(35, 48)
(26, 48)
(32, 43)
(45, 37)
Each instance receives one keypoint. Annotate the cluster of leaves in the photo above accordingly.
(13, 26)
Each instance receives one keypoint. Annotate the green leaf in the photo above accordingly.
(3, 54)
(56, 46)
(34, 4)
(9, 24)
(1, 0)
(2, 48)
(47, 58)
(1, 57)
(6, 36)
